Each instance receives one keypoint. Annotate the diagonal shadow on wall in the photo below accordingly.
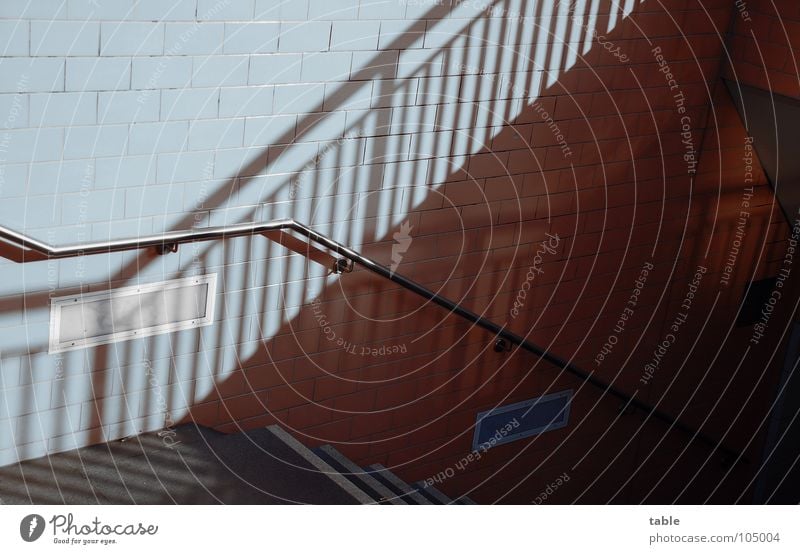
(475, 220)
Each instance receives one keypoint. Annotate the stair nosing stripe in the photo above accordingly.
(434, 492)
(321, 465)
(362, 475)
(400, 484)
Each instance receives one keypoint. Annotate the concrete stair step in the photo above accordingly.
(186, 465)
(320, 464)
(375, 489)
(432, 493)
(397, 485)
(279, 469)
(195, 465)
(172, 467)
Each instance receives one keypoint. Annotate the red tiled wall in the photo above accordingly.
(627, 201)
(764, 46)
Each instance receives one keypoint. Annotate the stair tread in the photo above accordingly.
(322, 466)
(401, 487)
(377, 490)
(189, 468)
(262, 461)
(432, 493)
(195, 465)
(145, 469)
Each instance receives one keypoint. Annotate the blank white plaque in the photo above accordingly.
(90, 319)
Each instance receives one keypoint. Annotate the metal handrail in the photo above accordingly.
(170, 240)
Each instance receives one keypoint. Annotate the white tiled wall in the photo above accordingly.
(129, 117)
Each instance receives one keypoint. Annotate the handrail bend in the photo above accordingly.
(169, 240)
